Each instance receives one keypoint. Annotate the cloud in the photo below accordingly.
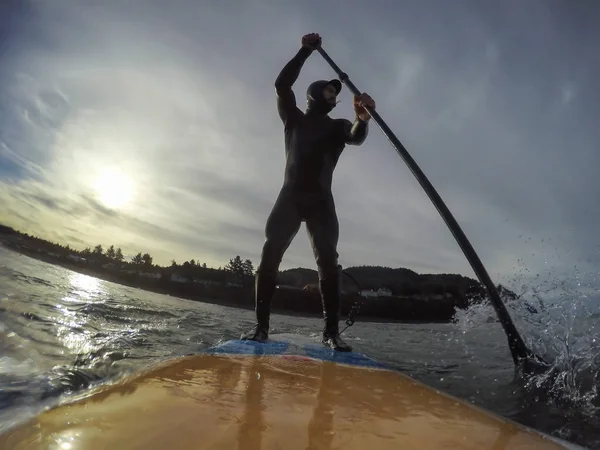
(496, 103)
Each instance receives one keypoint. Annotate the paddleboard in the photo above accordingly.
(288, 393)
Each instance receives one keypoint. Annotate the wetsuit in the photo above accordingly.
(313, 144)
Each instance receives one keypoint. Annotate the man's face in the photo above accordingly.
(329, 94)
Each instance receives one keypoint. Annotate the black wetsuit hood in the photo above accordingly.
(315, 99)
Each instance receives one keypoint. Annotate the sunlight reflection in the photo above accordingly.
(72, 333)
(71, 330)
(66, 440)
(86, 287)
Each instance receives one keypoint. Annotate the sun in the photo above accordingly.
(113, 188)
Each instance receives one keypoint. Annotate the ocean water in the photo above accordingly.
(63, 332)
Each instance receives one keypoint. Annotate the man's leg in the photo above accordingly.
(281, 228)
(323, 230)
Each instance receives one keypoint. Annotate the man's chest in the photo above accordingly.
(311, 134)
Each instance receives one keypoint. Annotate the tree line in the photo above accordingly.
(236, 265)
(242, 268)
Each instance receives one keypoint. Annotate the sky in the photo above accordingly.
(154, 128)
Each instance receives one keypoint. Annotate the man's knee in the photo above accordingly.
(327, 264)
(272, 254)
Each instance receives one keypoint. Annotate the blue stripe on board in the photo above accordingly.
(273, 347)
(250, 348)
(355, 359)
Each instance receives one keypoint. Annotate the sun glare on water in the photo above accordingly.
(113, 188)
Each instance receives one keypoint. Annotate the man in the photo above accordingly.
(313, 144)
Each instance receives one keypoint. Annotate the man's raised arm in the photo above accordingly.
(286, 101)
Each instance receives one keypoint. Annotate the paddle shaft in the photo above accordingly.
(516, 344)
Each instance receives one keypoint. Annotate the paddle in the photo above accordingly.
(522, 356)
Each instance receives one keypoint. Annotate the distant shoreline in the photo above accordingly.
(381, 294)
(213, 301)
